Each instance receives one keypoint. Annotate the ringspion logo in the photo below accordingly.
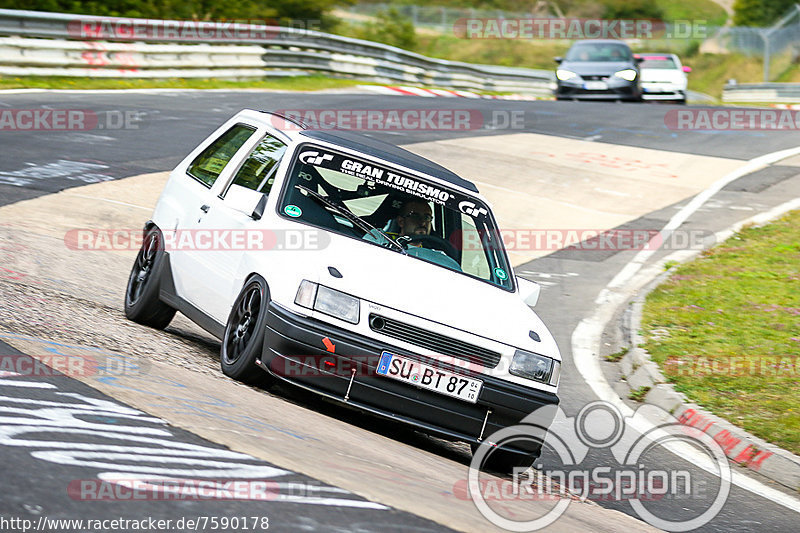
(628, 466)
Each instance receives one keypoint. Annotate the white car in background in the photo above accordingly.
(663, 77)
(431, 328)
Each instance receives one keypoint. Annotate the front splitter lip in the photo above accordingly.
(291, 340)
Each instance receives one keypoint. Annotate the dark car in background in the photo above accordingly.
(598, 69)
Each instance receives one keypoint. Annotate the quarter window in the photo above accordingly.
(258, 171)
(207, 167)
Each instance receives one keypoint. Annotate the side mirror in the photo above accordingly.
(638, 59)
(558, 59)
(258, 212)
(529, 291)
(687, 69)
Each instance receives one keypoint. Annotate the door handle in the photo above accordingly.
(205, 208)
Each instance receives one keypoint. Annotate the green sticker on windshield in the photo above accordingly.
(500, 273)
(292, 210)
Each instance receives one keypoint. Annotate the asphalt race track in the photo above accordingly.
(561, 165)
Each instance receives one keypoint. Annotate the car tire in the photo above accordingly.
(142, 303)
(243, 339)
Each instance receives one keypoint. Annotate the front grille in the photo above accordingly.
(433, 341)
(593, 77)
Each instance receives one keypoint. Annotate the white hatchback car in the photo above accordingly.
(663, 77)
(351, 268)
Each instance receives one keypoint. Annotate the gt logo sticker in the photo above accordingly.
(469, 208)
(313, 158)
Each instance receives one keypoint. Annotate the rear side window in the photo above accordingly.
(207, 166)
(258, 171)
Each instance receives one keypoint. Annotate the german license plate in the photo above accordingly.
(428, 377)
(595, 86)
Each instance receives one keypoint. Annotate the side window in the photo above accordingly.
(207, 167)
(258, 170)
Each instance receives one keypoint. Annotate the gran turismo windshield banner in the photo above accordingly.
(390, 177)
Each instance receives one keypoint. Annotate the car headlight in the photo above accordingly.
(565, 75)
(328, 301)
(628, 74)
(536, 367)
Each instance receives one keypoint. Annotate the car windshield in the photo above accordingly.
(604, 52)
(387, 207)
(658, 62)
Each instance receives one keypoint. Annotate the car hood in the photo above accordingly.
(598, 68)
(435, 293)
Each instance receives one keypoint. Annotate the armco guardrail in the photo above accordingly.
(40, 43)
(762, 92)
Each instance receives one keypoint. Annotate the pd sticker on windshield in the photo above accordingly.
(292, 210)
(500, 273)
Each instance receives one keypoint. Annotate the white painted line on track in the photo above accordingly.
(587, 334)
(689, 209)
(609, 191)
(27, 384)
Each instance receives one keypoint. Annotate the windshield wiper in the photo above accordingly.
(352, 217)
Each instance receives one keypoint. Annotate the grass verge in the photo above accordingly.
(725, 329)
(295, 83)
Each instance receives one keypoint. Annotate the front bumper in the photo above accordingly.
(294, 347)
(662, 92)
(617, 89)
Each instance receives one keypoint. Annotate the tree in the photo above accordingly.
(632, 9)
(759, 12)
(390, 27)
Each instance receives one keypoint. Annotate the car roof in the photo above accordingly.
(380, 149)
